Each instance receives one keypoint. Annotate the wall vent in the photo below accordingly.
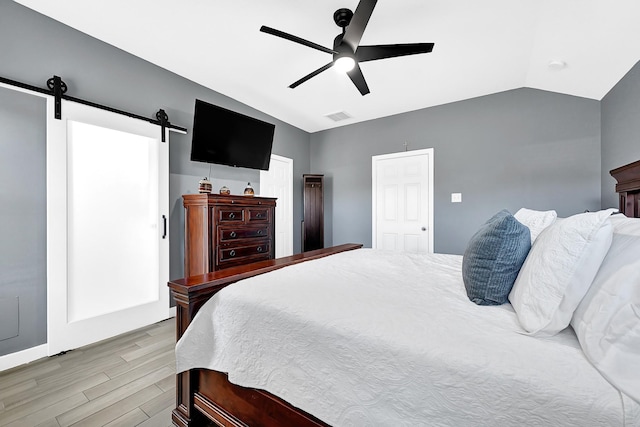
(339, 116)
(9, 320)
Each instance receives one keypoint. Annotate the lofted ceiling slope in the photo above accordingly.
(480, 48)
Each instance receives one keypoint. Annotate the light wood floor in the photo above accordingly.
(128, 381)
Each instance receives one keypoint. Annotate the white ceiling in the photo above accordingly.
(481, 47)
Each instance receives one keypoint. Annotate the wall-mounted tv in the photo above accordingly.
(225, 137)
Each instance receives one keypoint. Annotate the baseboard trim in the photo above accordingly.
(34, 353)
(21, 357)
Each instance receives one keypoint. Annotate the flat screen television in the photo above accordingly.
(225, 137)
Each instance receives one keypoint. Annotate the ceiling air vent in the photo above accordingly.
(339, 116)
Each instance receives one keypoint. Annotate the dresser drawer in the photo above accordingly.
(226, 215)
(258, 250)
(258, 214)
(230, 234)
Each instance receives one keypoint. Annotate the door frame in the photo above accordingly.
(36, 352)
(281, 204)
(374, 189)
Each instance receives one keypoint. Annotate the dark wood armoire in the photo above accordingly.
(313, 222)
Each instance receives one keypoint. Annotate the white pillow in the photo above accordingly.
(535, 220)
(607, 321)
(559, 270)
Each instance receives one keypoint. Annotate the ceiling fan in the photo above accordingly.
(347, 52)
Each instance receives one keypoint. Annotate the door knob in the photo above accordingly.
(424, 228)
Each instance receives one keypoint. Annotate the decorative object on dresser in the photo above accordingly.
(313, 223)
(224, 231)
(628, 186)
(248, 190)
(204, 186)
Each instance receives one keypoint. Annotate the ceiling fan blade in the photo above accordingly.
(313, 74)
(357, 78)
(358, 23)
(295, 39)
(370, 53)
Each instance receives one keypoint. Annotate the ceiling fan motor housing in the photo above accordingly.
(341, 48)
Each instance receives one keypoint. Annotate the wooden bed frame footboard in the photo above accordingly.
(206, 397)
(628, 188)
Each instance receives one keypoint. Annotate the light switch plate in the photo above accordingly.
(456, 197)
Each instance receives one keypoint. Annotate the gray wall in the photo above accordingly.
(23, 244)
(521, 148)
(620, 130)
(518, 148)
(35, 47)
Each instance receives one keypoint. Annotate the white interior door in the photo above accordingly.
(108, 248)
(278, 182)
(403, 201)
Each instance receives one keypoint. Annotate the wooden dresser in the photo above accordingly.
(225, 231)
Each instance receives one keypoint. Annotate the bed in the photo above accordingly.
(442, 360)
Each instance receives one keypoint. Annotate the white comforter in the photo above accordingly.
(369, 338)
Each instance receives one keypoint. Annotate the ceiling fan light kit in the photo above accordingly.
(347, 52)
(344, 63)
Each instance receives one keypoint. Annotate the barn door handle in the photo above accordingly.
(164, 226)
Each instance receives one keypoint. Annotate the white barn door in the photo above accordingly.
(278, 182)
(108, 247)
(402, 197)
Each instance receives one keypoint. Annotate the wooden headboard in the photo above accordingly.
(628, 186)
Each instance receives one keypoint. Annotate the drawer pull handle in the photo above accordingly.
(259, 215)
(232, 234)
(259, 248)
(232, 253)
(259, 232)
(232, 215)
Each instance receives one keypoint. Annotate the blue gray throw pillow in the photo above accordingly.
(493, 258)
